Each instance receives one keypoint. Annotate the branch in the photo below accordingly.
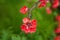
(30, 10)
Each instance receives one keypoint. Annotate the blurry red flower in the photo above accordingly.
(42, 4)
(55, 4)
(57, 30)
(24, 10)
(48, 10)
(58, 18)
(25, 20)
(57, 38)
(29, 27)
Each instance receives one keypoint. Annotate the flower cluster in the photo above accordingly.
(29, 26)
(57, 31)
(43, 3)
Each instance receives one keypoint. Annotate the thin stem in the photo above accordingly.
(30, 10)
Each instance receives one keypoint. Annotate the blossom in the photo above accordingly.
(25, 20)
(48, 10)
(29, 27)
(42, 4)
(24, 9)
(55, 4)
(57, 30)
(58, 18)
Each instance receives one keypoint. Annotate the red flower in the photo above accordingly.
(57, 30)
(29, 27)
(58, 18)
(25, 20)
(24, 10)
(55, 4)
(42, 4)
(57, 38)
(48, 10)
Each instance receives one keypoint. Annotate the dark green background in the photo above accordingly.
(11, 20)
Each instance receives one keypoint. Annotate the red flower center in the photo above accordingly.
(29, 24)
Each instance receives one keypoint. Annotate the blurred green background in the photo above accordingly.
(11, 20)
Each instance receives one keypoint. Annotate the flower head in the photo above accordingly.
(57, 30)
(48, 10)
(58, 18)
(24, 10)
(42, 4)
(55, 4)
(29, 27)
(25, 20)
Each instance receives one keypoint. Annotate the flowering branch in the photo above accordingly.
(29, 26)
(30, 10)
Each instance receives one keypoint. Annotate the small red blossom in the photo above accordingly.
(58, 18)
(57, 30)
(25, 20)
(57, 38)
(48, 10)
(29, 27)
(55, 4)
(24, 10)
(42, 4)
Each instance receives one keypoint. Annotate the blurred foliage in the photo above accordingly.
(11, 20)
